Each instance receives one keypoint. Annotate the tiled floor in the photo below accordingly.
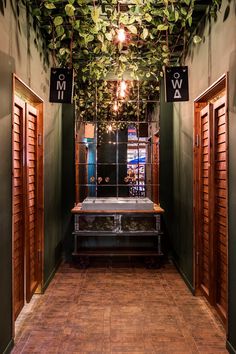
(118, 307)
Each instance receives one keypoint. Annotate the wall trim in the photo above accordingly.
(230, 348)
(9, 347)
(217, 86)
(46, 284)
(187, 282)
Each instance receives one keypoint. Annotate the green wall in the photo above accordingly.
(16, 41)
(207, 62)
(52, 195)
(68, 176)
(166, 164)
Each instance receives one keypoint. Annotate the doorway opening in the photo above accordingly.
(27, 195)
(211, 196)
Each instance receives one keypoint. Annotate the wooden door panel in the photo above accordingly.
(204, 200)
(221, 205)
(211, 193)
(18, 207)
(32, 242)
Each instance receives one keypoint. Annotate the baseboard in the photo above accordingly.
(9, 347)
(189, 285)
(230, 348)
(45, 285)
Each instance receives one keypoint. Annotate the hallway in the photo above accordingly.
(118, 307)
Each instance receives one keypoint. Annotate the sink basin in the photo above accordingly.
(112, 203)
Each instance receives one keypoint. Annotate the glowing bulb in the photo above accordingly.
(122, 93)
(123, 86)
(115, 107)
(109, 128)
(121, 35)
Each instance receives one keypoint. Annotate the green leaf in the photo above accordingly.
(132, 29)
(162, 27)
(49, 5)
(145, 33)
(70, 10)
(60, 30)
(166, 12)
(183, 11)
(77, 25)
(197, 39)
(109, 36)
(132, 19)
(100, 37)
(58, 21)
(124, 18)
(95, 13)
(62, 51)
(123, 58)
(54, 45)
(176, 15)
(104, 48)
(165, 48)
(148, 17)
(90, 38)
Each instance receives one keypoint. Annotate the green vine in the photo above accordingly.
(83, 34)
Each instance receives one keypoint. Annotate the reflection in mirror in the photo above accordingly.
(117, 141)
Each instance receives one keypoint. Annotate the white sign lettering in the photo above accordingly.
(177, 84)
(61, 87)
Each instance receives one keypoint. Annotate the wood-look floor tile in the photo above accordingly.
(120, 307)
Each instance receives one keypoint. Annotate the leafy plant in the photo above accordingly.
(83, 34)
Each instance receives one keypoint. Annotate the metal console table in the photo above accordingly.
(117, 232)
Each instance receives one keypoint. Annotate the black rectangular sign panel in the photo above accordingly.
(176, 84)
(61, 85)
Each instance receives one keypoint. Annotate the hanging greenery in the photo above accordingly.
(83, 34)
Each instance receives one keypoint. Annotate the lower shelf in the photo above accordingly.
(117, 252)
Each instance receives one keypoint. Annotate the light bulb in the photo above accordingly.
(115, 107)
(121, 35)
(109, 128)
(123, 86)
(122, 93)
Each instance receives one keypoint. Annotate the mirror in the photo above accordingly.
(117, 141)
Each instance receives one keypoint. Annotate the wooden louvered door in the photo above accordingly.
(18, 206)
(220, 225)
(211, 202)
(26, 201)
(205, 199)
(32, 242)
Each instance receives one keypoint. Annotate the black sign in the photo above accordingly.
(176, 84)
(61, 85)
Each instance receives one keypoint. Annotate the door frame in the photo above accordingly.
(214, 91)
(22, 90)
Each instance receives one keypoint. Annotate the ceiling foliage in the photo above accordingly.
(83, 34)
